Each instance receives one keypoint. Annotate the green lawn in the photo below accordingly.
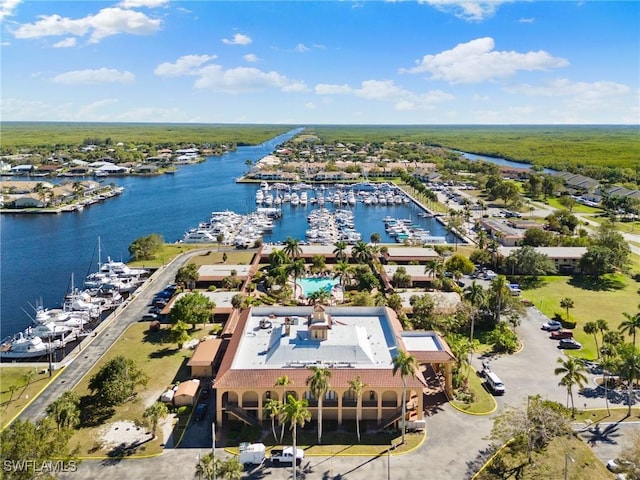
(589, 304)
(171, 250)
(548, 464)
(23, 394)
(483, 403)
(578, 207)
(163, 364)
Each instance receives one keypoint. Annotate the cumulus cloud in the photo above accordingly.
(244, 79)
(101, 75)
(107, 22)
(142, 3)
(238, 39)
(185, 65)
(66, 43)
(250, 57)
(477, 61)
(301, 48)
(473, 11)
(7, 7)
(387, 91)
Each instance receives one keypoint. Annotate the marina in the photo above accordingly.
(37, 271)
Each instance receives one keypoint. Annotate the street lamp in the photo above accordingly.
(213, 447)
(566, 464)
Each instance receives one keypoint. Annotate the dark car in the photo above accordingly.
(206, 391)
(569, 343)
(200, 411)
(560, 334)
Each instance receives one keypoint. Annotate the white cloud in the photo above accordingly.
(387, 91)
(142, 3)
(107, 22)
(301, 48)
(328, 89)
(465, 9)
(7, 7)
(244, 79)
(66, 43)
(238, 39)
(101, 75)
(251, 57)
(477, 61)
(563, 87)
(527, 20)
(185, 65)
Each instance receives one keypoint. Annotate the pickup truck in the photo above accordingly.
(285, 456)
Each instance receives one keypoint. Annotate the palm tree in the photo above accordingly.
(65, 410)
(341, 250)
(292, 247)
(273, 408)
(318, 383)
(154, 414)
(405, 364)
(297, 267)
(277, 258)
(499, 292)
(591, 328)
(603, 326)
(232, 469)
(361, 253)
(375, 237)
(628, 366)
(357, 387)
(474, 293)
(344, 271)
(12, 389)
(573, 371)
(434, 268)
(566, 303)
(296, 413)
(283, 382)
(28, 377)
(493, 247)
(482, 239)
(607, 364)
(206, 467)
(631, 325)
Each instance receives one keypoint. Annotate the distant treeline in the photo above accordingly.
(45, 134)
(604, 152)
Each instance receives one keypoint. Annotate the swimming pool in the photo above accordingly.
(313, 284)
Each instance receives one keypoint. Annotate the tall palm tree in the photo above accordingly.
(493, 247)
(435, 268)
(629, 366)
(318, 383)
(361, 253)
(344, 271)
(573, 371)
(65, 410)
(283, 381)
(357, 386)
(482, 239)
(28, 377)
(277, 258)
(567, 303)
(232, 469)
(475, 294)
(591, 328)
(631, 325)
(292, 247)
(603, 326)
(607, 364)
(341, 250)
(273, 408)
(405, 364)
(499, 291)
(296, 413)
(297, 268)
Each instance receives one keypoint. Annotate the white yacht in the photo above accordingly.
(199, 236)
(26, 347)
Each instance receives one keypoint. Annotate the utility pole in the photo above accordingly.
(213, 447)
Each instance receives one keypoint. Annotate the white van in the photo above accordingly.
(495, 384)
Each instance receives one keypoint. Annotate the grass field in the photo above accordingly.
(170, 250)
(578, 207)
(483, 403)
(23, 393)
(589, 304)
(163, 364)
(580, 463)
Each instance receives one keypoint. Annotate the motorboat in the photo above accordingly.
(26, 346)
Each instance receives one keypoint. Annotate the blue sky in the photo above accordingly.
(330, 62)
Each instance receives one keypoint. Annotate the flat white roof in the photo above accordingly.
(417, 252)
(359, 337)
(421, 343)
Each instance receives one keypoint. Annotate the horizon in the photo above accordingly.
(429, 62)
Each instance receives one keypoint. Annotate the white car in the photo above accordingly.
(552, 326)
(618, 465)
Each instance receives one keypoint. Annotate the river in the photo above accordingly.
(39, 254)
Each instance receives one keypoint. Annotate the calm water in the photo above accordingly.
(39, 254)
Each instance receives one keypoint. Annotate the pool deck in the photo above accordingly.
(337, 294)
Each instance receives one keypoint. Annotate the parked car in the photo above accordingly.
(551, 325)
(569, 343)
(560, 334)
(200, 411)
(206, 391)
(150, 316)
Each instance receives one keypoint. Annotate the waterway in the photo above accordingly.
(39, 254)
